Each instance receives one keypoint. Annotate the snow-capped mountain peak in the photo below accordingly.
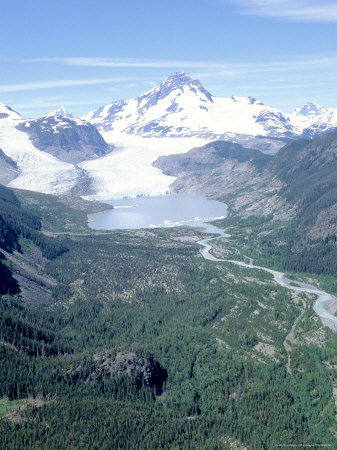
(174, 92)
(177, 79)
(60, 111)
(182, 107)
(7, 112)
(310, 109)
(313, 119)
(181, 81)
(172, 96)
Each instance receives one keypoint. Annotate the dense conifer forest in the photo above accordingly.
(139, 342)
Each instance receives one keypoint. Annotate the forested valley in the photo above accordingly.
(130, 339)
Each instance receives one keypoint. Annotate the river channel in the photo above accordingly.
(195, 211)
(322, 303)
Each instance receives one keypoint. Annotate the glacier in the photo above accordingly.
(170, 118)
(39, 171)
(128, 170)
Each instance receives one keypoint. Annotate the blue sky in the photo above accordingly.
(84, 54)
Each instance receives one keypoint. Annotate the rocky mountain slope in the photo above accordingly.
(23, 271)
(67, 138)
(8, 168)
(295, 190)
(308, 169)
(230, 172)
(303, 172)
(42, 154)
(209, 157)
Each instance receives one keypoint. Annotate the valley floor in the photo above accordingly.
(248, 363)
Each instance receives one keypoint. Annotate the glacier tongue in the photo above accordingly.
(39, 171)
(173, 117)
(128, 171)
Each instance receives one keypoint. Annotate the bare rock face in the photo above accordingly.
(147, 369)
(204, 159)
(8, 169)
(69, 139)
(229, 171)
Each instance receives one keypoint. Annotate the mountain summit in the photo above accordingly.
(182, 107)
(60, 111)
(314, 120)
(6, 112)
(310, 109)
(179, 81)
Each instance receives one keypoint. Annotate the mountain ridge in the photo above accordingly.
(59, 153)
(293, 192)
(182, 107)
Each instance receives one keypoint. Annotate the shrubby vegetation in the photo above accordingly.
(150, 292)
(15, 222)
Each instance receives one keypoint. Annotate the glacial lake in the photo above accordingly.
(159, 212)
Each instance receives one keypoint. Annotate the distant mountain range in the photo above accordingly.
(59, 153)
(182, 107)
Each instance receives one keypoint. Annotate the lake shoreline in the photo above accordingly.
(164, 211)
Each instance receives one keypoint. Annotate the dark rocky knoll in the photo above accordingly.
(68, 139)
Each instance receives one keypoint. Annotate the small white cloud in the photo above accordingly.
(125, 62)
(36, 85)
(207, 67)
(291, 10)
(51, 102)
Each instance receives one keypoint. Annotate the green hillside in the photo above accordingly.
(121, 307)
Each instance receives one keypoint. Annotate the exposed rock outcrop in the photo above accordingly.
(146, 368)
(8, 168)
(69, 139)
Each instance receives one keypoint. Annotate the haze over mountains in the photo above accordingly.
(108, 153)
